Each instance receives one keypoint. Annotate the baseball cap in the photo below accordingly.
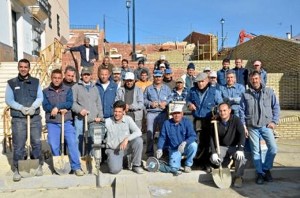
(168, 71)
(86, 70)
(162, 65)
(116, 70)
(176, 108)
(206, 69)
(179, 80)
(129, 76)
(213, 74)
(157, 73)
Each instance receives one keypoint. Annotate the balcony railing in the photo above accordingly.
(40, 10)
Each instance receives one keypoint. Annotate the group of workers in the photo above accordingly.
(129, 103)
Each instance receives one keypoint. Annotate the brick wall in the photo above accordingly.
(289, 128)
(6, 53)
(286, 87)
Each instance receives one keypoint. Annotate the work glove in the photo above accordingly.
(181, 147)
(24, 110)
(239, 155)
(215, 159)
(159, 153)
(31, 110)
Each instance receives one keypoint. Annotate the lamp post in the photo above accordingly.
(128, 2)
(222, 32)
(133, 31)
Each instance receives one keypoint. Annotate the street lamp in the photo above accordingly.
(222, 33)
(133, 31)
(128, 2)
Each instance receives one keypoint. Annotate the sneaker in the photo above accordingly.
(79, 172)
(187, 169)
(238, 182)
(137, 169)
(39, 171)
(260, 179)
(268, 177)
(16, 177)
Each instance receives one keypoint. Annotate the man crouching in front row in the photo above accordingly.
(123, 138)
(179, 136)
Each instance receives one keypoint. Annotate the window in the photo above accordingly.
(58, 25)
(49, 17)
(36, 36)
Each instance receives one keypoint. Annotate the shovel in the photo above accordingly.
(61, 163)
(29, 166)
(221, 176)
(86, 160)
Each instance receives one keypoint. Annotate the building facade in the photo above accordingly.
(29, 26)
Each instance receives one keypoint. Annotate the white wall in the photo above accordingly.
(5, 23)
(25, 35)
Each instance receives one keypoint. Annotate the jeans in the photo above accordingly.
(154, 122)
(79, 127)
(175, 156)
(54, 140)
(228, 153)
(267, 135)
(19, 137)
(115, 156)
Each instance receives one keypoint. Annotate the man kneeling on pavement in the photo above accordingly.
(179, 136)
(123, 138)
(232, 140)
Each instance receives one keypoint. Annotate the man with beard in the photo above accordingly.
(221, 74)
(133, 97)
(24, 96)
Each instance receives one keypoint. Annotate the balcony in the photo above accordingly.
(40, 10)
(28, 2)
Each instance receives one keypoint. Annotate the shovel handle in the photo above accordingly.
(28, 136)
(215, 122)
(62, 132)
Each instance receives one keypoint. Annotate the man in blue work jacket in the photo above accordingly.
(156, 98)
(178, 135)
(201, 100)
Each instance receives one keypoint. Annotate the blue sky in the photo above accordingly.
(172, 20)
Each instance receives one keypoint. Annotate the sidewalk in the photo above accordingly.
(286, 174)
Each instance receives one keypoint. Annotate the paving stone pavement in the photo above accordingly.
(128, 184)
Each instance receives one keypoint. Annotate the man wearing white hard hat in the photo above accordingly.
(179, 136)
(133, 97)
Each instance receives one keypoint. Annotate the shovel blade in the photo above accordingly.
(222, 177)
(61, 165)
(28, 168)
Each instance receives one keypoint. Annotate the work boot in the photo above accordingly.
(39, 171)
(79, 172)
(238, 182)
(137, 169)
(176, 173)
(260, 179)
(16, 177)
(268, 177)
(187, 169)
